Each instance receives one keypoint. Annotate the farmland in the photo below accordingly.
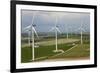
(46, 47)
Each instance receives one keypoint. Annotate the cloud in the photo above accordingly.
(46, 19)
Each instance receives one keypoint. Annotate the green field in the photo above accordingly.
(42, 51)
(45, 50)
(78, 51)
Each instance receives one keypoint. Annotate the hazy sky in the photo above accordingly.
(45, 20)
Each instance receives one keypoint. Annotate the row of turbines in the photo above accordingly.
(31, 32)
(81, 29)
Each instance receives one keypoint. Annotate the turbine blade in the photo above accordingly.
(28, 27)
(83, 30)
(58, 30)
(27, 30)
(52, 29)
(79, 29)
(35, 32)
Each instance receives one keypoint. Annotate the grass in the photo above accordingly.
(26, 54)
(45, 50)
(77, 52)
(42, 51)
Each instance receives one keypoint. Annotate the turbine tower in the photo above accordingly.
(67, 32)
(31, 27)
(56, 29)
(81, 32)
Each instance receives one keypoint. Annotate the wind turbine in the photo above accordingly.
(81, 32)
(56, 29)
(70, 32)
(31, 27)
(67, 32)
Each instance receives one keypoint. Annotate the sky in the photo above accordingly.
(45, 20)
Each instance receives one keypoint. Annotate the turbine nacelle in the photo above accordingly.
(33, 25)
(56, 26)
(56, 29)
(31, 28)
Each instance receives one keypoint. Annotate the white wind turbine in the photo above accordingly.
(70, 32)
(56, 29)
(81, 32)
(33, 32)
(67, 32)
